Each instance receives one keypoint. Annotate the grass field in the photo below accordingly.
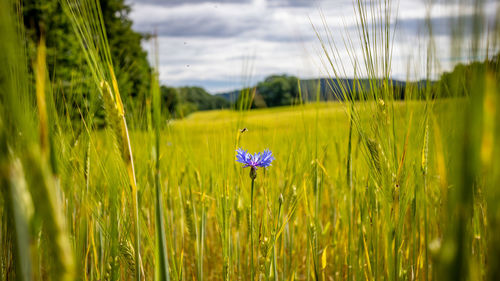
(323, 227)
(377, 188)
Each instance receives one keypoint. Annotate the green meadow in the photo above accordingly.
(373, 186)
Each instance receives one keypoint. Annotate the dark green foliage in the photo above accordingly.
(64, 58)
(71, 79)
(278, 90)
(275, 90)
(196, 98)
(169, 99)
(458, 83)
(131, 66)
(281, 90)
(66, 63)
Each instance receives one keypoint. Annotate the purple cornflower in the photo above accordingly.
(260, 159)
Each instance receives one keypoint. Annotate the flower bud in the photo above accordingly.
(253, 173)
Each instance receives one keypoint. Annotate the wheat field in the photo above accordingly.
(379, 187)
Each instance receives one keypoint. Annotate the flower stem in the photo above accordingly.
(251, 231)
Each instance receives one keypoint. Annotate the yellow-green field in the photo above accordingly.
(325, 228)
(377, 187)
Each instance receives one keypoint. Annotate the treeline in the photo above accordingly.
(183, 101)
(282, 90)
(459, 81)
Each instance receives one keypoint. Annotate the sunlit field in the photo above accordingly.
(376, 185)
(322, 223)
(312, 219)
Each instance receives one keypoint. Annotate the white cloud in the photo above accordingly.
(207, 43)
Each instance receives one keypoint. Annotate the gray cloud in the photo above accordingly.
(271, 3)
(187, 2)
(245, 21)
(444, 25)
(208, 43)
(293, 3)
(198, 26)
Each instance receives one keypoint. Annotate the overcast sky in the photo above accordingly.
(220, 45)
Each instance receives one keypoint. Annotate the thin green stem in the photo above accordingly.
(251, 231)
(275, 263)
(426, 242)
(137, 239)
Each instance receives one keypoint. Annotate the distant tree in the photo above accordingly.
(170, 99)
(184, 109)
(258, 101)
(249, 98)
(278, 90)
(458, 83)
(201, 99)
